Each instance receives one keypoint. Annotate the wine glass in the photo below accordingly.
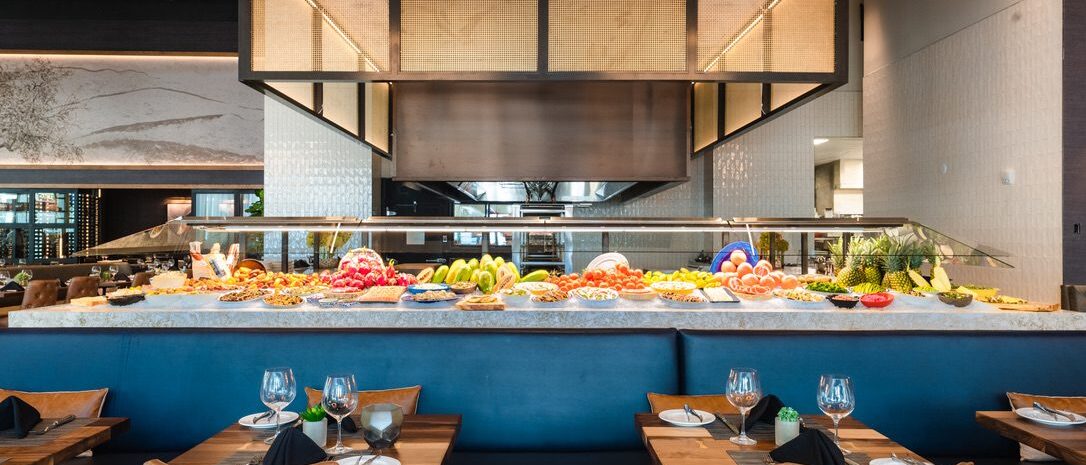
(836, 399)
(4, 277)
(96, 271)
(277, 392)
(381, 425)
(182, 266)
(340, 399)
(744, 392)
(3, 262)
(169, 264)
(113, 272)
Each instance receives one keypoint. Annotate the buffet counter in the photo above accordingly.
(773, 315)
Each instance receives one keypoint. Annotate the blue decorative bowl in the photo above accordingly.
(423, 287)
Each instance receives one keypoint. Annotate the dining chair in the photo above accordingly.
(82, 286)
(57, 404)
(155, 462)
(40, 293)
(142, 278)
(406, 397)
(712, 403)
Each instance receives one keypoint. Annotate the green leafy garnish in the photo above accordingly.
(314, 413)
(788, 414)
(826, 287)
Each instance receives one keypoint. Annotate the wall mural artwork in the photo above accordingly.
(127, 110)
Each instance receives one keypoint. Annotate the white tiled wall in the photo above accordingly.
(980, 101)
(310, 170)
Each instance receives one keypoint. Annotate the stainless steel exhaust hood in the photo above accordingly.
(562, 192)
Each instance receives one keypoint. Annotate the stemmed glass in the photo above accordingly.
(96, 271)
(3, 262)
(836, 399)
(112, 272)
(4, 277)
(277, 392)
(340, 399)
(182, 266)
(169, 264)
(744, 392)
(381, 425)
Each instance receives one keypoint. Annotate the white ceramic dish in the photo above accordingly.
(607, 261)
(677, 417)
(515, 300)
(1046, 419)
(285, 417)
(684, 305)
(355, 460)
(409, 301)
(559, 304)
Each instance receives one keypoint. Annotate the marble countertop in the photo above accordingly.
(772, 315)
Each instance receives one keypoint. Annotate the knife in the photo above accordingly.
(1051, 411)
(725, 421)
(55, 424)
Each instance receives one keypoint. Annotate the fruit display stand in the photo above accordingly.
(870, 256)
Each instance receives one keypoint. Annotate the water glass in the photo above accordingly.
(277, 392)
(744, 391)
(381, 425)
(339, 400)
(836, 399)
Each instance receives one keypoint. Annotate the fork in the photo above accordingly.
(689, 411)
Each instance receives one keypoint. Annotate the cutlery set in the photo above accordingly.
(1054, 412)
(51, 426)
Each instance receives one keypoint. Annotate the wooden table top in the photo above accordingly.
(68, 443)
(424, 440)
(1068, 444)
(673, 445)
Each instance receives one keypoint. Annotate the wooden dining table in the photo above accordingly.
(674, 445)
(62, 443)
(1067, 444)
(424, 440)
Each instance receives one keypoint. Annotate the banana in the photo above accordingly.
(424, 276)
(535, 276)
(439, 275)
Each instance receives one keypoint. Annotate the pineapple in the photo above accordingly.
(898, 253)
(838, 256)
(870, 260)
(852, 273)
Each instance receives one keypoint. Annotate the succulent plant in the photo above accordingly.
(788, 414)
(314, 413)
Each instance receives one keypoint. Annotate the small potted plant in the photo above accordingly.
(786, 425)
(315, 424)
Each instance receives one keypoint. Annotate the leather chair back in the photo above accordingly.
(142, 278)
(82, 286)
(40, 293)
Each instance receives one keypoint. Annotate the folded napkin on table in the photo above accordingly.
(811, 447)
(349, 425)
(12, 286)
(120, 277)
(17, 418)
(764, 411)
(293, 447)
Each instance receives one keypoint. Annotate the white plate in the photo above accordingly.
(597, 303)
(1038, 416)
(354, 460)
(890, 461)
(267, 423)
(446, 303)
(607, 261)
(677, 417)
(912, 299)
(685, 305)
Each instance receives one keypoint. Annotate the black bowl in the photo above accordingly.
(957, 302)
(843, 303)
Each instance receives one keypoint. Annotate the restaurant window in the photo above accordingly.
(222, 203)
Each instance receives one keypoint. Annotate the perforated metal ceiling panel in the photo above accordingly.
(469, 35)
(617, 35)
(766, 36)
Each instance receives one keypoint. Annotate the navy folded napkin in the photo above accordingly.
(349, 425)
(12, 286)
(17, 418)
(811, 447)
(764, 411)
(293, 447)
